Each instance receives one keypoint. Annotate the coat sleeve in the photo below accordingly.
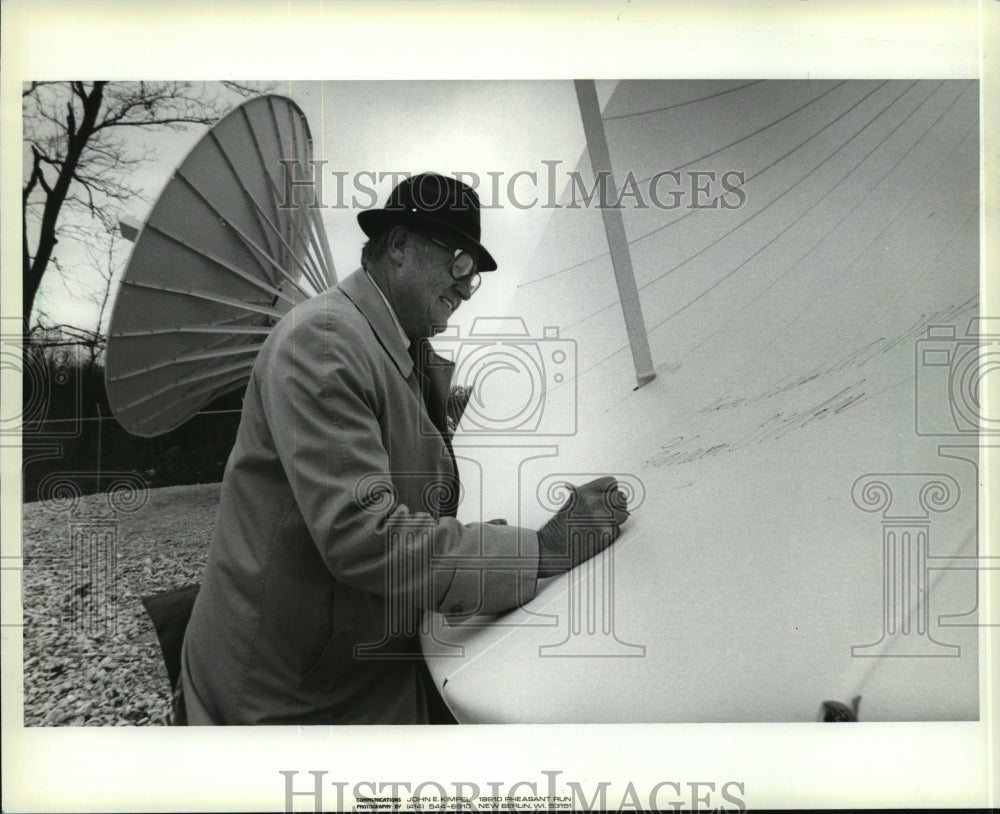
(318, 396)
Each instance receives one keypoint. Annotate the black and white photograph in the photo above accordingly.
(547, 423)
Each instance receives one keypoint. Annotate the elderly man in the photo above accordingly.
(336, 518)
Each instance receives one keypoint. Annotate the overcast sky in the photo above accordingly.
(479, 127)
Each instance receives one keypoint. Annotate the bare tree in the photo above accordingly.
(78, 160)
(103, 263)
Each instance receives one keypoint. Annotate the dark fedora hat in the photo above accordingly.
(435, 202)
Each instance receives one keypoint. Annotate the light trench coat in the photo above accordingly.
(333, 531)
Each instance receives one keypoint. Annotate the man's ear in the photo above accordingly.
(397, 244)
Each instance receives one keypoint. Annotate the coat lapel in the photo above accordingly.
(435, 383)
(360, 290)
(434, 374)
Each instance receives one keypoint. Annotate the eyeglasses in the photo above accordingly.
(463, 264)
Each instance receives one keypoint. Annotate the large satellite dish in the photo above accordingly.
(222, 256)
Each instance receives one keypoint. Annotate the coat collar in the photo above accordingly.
(361, 290)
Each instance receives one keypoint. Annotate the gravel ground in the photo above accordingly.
(90, 652)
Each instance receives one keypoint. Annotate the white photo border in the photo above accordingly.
(165, 769)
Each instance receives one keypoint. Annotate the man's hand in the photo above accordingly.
(585, 526)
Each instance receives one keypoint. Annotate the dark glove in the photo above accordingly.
(587, 524)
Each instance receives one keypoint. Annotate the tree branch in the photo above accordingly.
(79, 165)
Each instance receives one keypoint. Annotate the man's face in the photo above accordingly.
(425, 295)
